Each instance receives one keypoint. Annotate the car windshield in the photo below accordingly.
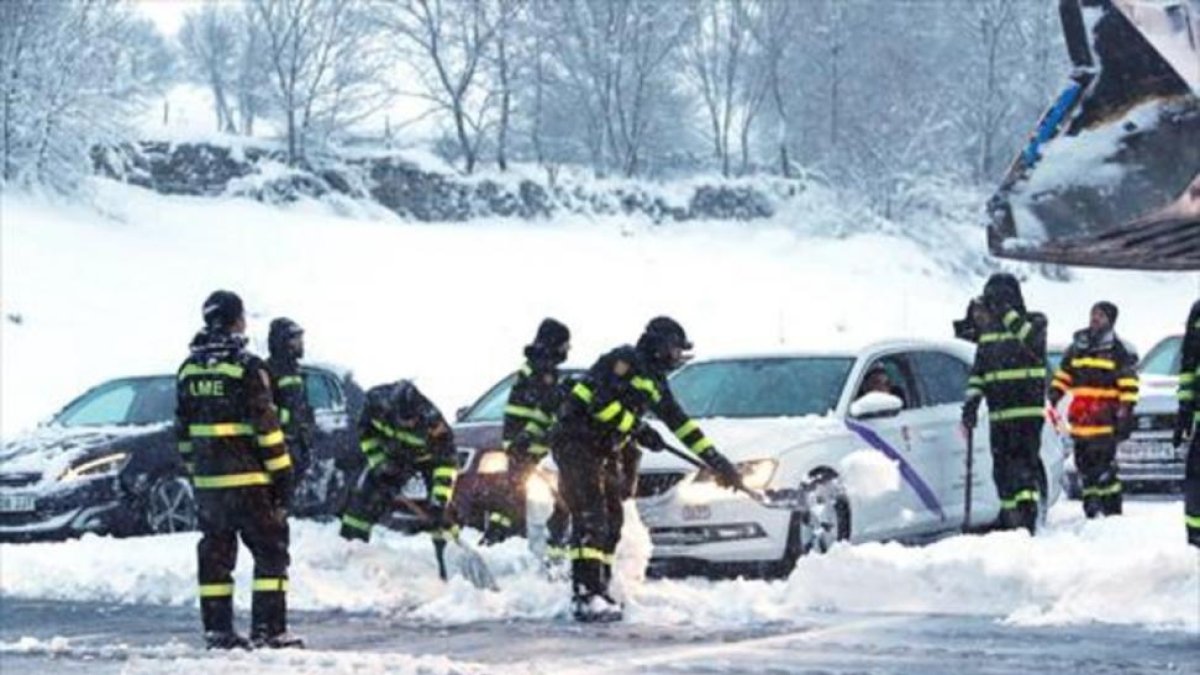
(1163, 358)
(768, 387)
(139, 401)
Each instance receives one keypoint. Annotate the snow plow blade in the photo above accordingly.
(1111, 174)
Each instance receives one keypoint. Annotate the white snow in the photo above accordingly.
(1134, 570)
(869, 474)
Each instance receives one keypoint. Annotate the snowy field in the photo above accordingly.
(89, 297)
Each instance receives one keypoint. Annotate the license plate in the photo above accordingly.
(17, 503)
(1148, 452)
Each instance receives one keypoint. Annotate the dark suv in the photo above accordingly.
(107, 463)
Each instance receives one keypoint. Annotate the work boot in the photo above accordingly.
(1112, 505)
(225, 639)
(596, 608)
(1091, 507)
(283, 640)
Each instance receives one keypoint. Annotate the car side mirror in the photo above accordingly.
(876, 404)
(461, 413)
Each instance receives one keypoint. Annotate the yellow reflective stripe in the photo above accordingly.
(538, 449)
(1094, 392)
(1015, 374)
(275, 584)
(1129, 398)
(370, 444)
(972, 392)
(558, 553)
(1102, 491)
(526, 370)
(232, 480)
(1059, 385)
(190, 467)
(528, 413)
(1089, 432)
(1063, 375)
(216, 590)
(647, 385)
(589, 553)
(1026, 329)
(500, 519)
(290, 381)
(278, 463)
(447, 472)
(226, 369)
(269, 439)
(1012, 317)
(356, 523)
(442, 492)
(1187, 395)
(285, 416)
(996, 337)
(1090, 362)
(399, 434)
(1022, 496)
(1191, 521)
(627, 422)
(220, 430)
(448, 533)
(1128, 382)
(184, 446)
(535, 429)
(685, 429)
(374, 459)
(701, 445)
(610, 412)
(583, 392)
(1187, 378)
(1016, 414)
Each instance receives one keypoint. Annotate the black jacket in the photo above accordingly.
(1189, 367)
(1010, 364)
(291, 400)
(228, 432)
(532, 405)
(396, 440)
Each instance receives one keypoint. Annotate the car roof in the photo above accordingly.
(959, 347)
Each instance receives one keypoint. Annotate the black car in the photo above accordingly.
(107, 463)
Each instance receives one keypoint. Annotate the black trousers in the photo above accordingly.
(593, 480)
(1191, 492)
(1018, 471)
(248, 513)
(1095, 458)
(374, 496)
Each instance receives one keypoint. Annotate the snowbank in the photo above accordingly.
(1133, 570)
(114, 289)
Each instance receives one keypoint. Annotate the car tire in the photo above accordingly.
(827, 522)
(171, 505)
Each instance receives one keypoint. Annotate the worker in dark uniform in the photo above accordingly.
(1099, 373)
(1185, 423)
(232, 446)
(286, 344)
(532, 404)
(1010, 373)
(401, 434)
(593, 443)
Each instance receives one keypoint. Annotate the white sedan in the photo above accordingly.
(870, 457)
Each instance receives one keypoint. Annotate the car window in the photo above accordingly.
(899, 373)
(490, 407)
(322, 394)
(154, 402)
(1164, 358)
(107, 404)
(769, 387)
(943, 377)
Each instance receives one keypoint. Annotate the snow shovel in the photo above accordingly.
(970, 478)
(472, 565)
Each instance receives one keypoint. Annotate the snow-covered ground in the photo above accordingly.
(114, 288)
(1135, 570)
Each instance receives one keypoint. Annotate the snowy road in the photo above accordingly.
(36, 636)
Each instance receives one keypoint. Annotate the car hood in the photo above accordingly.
(745, 439)
(50, 450)
(1157, 394)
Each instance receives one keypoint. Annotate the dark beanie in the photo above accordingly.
(552, 334)
(1108, 309)
(222, 309)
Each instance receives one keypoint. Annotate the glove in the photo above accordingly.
(970, 413)
(649, 439)
(727, 474)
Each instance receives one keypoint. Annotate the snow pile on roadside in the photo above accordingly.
(1133, 570)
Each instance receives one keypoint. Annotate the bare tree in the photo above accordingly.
(774, 25)
(209, 38)
(718, 55)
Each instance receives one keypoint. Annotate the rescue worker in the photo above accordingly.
(593, 443)
(234, 450)
(1098, 371)
(1010, 373)
(401, 434)
(532, 404)
(286, 344)
(1185, 423)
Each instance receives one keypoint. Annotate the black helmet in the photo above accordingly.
(1005, 287)
(222, 309)
(664, 344)
(552, 342)
(405, 400)
(281, 333)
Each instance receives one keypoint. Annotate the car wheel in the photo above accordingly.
(827, 520)
(171, 506)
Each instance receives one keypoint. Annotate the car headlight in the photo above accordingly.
(756, 474)
(493, 462)
(104, 465)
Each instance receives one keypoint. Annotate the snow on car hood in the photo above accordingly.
(745, 439)
(49, 450)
